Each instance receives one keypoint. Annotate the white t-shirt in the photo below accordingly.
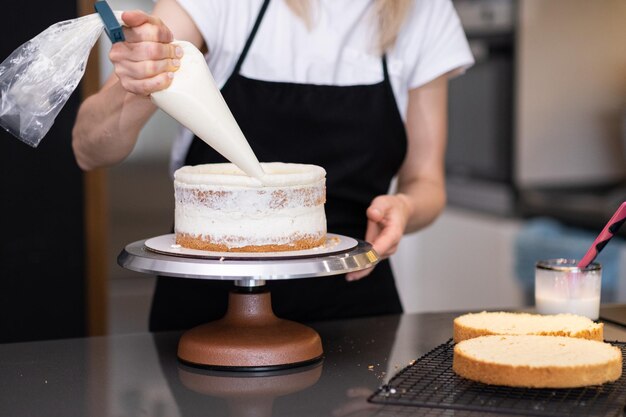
(337, 50)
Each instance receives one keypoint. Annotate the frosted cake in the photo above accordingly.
(219, 208)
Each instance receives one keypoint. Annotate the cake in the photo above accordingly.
(537, 361)
(471, 325)
(219, 208)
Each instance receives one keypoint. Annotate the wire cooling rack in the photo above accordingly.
(430, 382)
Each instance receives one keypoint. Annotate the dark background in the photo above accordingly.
(42, 279)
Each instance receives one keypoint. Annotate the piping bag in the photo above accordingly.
(38, 78)
(195, 101)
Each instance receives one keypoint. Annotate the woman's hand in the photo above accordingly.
(146, 61)
(387, 217)
(108, 122)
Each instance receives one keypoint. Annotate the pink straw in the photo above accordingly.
(605, 235)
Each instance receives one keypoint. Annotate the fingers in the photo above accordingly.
(386, 221)
(355, 276)
(141, 51)
(133, 18)
(147, 86)
(147, 69)
(386, 242)
(148, 32)
(146, 61)
(141, 27)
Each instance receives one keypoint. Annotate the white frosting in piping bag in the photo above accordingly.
(194, 100)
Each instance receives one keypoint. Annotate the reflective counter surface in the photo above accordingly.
(139, 374)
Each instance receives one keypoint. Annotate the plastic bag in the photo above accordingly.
(37, 79)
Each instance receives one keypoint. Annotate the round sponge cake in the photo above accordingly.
(472, 325)
(220, 208)
(537, 361)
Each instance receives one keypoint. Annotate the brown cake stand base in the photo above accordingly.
(250, 338)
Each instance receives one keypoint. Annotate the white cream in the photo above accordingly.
(588, 307)
(268, 228)
(219, 201)
(276, 174)
(560, 287)
(194, 100)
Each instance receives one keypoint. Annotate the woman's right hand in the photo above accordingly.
(108, 122)
(146, 61)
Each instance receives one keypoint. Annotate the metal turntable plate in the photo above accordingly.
(166, 244)
(138, 257)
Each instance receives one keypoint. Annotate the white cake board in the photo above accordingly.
(166, 244)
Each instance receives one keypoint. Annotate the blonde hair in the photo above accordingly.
(389, 15)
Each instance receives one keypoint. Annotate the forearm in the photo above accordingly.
(421, 180)
(424, 199)
(107, 126)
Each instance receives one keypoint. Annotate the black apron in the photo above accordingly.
(357, 135)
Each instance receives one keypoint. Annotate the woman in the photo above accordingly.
(358, 87)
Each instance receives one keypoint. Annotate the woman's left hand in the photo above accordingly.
(387, 217)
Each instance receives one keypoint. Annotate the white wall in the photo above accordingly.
(464, 261)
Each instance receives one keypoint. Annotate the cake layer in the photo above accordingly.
(537, 361)
(219, 208)
(473, 325)
(295, 243)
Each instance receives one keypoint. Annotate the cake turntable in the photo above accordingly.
(249, 337)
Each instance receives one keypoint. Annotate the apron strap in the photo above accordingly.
(255, 28)
(385, 70)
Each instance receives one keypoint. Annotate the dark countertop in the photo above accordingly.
(139, 374)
